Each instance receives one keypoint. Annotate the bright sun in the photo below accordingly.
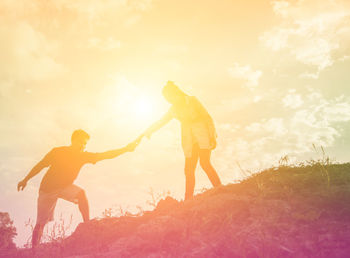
(143, 107)
(137, 103)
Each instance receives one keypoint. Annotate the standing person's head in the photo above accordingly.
(79, 139)
(173, 94)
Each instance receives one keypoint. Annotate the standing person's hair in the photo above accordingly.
(80, 134)
(170, 88)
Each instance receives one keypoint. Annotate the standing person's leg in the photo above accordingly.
(190, 167)
(204, 160)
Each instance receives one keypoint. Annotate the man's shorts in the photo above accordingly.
(47, 202)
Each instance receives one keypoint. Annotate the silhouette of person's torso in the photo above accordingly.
(188, 112)
(65, 164)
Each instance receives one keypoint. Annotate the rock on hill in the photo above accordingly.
(299, 211)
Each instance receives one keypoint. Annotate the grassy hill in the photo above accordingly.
(288, 211)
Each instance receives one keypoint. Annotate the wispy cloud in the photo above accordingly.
(104, 44)
(245, 72)
(95, 12)
(310, 31)
(29, 54)
(307, 119)
(292, 100)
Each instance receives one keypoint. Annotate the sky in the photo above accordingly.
(274, 75)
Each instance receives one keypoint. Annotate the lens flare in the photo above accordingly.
(143, 107)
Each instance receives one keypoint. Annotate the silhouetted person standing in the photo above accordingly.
(198, 134)
(64, 166)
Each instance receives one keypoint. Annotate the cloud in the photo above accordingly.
(316, 122)
(106, 44)
(273, 126)
(308, 119)
(245, 72)
(5, 88)
(172, 49)
(309, 75)
(292, 100)
(80, 17)
(311, 31)
(281, 8)
(94, 9)
(28, 53)
(34, 36)
(344, 58)
(97, 12)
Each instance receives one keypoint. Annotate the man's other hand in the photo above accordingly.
(21, 185)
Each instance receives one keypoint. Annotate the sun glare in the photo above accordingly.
(143, 108)
(140, 104)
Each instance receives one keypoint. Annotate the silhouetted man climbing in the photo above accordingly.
(64, 166)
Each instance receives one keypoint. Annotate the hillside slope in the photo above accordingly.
(299, 211)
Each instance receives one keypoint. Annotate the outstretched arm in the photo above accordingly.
(159, 124)
(115, 153)
(45, 162)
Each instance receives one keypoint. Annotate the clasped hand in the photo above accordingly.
(131, 146)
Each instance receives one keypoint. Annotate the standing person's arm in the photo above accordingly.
(45, 162)
(160, 123)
